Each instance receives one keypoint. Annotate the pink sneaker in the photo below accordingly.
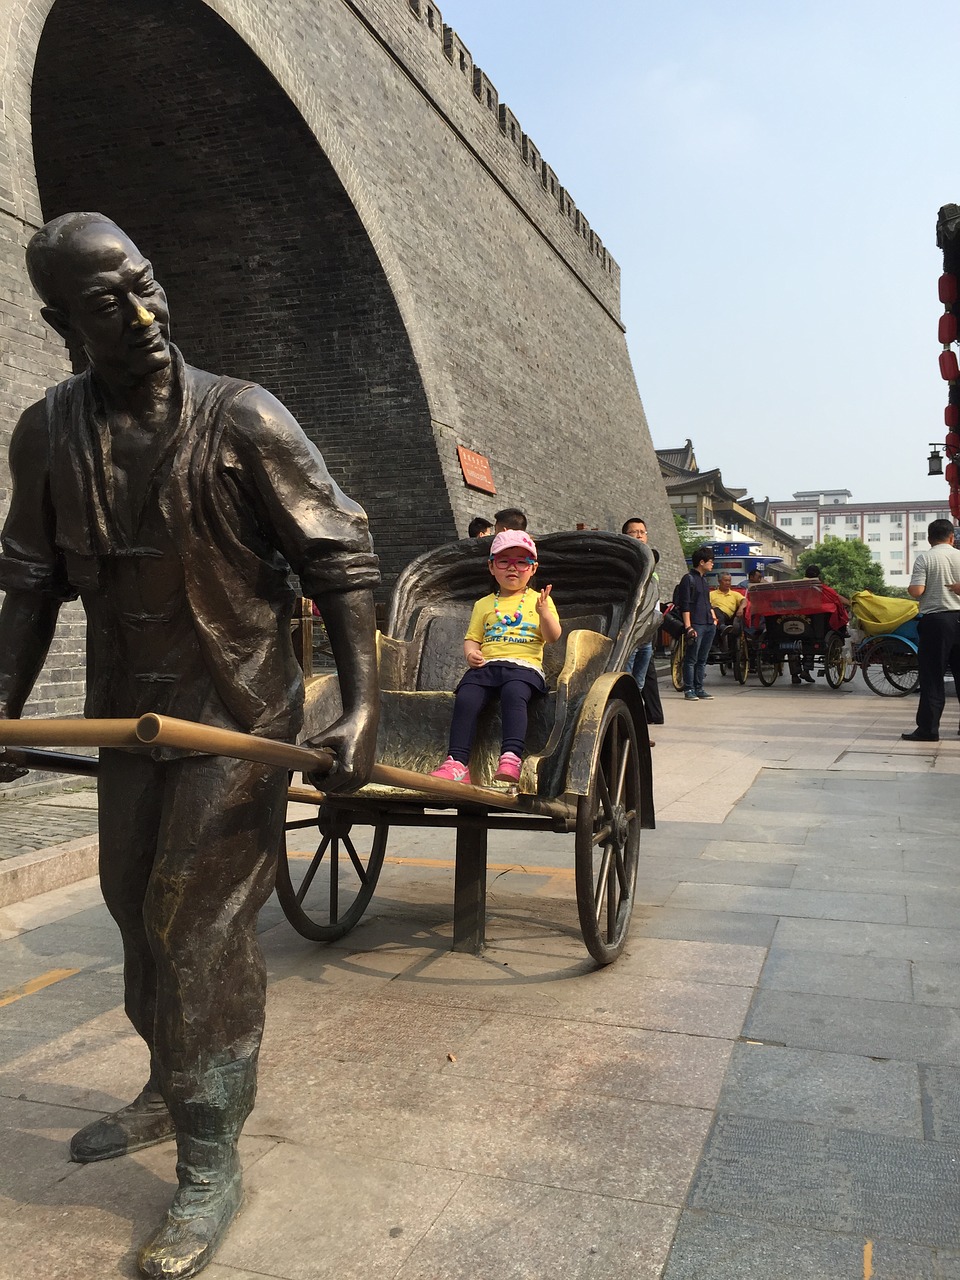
(508, 770)
(452, 771)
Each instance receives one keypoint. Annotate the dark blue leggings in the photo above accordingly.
(515, 696)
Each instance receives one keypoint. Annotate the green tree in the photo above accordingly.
(845, 566)
(688, 541)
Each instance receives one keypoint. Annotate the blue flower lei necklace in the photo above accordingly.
(509, 619)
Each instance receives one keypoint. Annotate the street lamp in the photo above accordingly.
(935, 461)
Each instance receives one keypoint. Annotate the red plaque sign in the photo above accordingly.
(476, 470)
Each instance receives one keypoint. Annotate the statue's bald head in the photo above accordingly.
(100, 296)
(63, 246)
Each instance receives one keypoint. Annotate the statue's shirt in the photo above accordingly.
(189, 599)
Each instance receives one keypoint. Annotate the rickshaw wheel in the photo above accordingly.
(676, 663)
(741, 659)
(338, 881)
(834, 661)
(851, 663)
(608, 836)
(768, 667)
(889, 667)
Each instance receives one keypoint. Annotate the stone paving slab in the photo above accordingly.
(707, 926)
(850, 880)
(853, 1092)
(369, 1215)
(832, 1179)
(26, 827)
(878, 907)
(716, 1246)
(852, 938)
(939, 910)
(708, 871)
(940, 1096)
(863, 853)
(936, 983)
(534, 1135)
(648, 1066)
(823, 974)
(502, 1230)
(909, 1032)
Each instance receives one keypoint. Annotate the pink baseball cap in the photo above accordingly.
(513, 538)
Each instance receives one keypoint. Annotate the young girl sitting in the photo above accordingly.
(504, 651)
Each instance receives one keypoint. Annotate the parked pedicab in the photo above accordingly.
(800, 626)
(887, 653)
(587, 769)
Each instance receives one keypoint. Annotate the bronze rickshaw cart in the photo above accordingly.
(586, 769)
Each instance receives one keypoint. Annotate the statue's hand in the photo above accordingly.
(353, 740)
(9, 772)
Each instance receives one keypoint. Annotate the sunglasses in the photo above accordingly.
(502, 562)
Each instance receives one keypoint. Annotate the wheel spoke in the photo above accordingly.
(334, 880)
(604, 794)
(613, 901)
(622, 776)
(601, 889)
(621, 869)
(354, 858)
(312, 870)
(603, 835)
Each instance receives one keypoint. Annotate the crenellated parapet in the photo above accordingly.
(539, 182)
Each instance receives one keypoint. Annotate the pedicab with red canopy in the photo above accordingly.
(804, 624)
(586, 771)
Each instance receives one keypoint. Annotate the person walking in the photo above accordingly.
(935, 582)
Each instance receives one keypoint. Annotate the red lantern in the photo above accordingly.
(949, 369)
(951, 415)
(947, 288)
(955, 503)
(950, 474)
(952, 443)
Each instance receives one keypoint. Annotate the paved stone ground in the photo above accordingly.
(766, 1084)
(40, 822)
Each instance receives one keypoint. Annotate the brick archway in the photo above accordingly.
(159, 115)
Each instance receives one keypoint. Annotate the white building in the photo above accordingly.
(894, 531)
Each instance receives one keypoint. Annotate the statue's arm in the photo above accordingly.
(351, 627)
(27, 624)
(325, 537)
(28, 571)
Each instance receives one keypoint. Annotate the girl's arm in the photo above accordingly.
(472, 653)
(549, 622)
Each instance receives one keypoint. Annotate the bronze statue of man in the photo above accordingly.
(175, 504)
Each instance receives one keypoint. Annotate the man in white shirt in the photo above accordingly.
(936, 584)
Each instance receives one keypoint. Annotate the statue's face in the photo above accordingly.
(113, 306)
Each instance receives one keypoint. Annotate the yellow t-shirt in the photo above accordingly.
(725, 601)
(513, 637)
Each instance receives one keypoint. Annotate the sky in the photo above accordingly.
(768, 177)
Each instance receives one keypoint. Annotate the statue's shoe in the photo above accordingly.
(143, 1123)
(205, 1204)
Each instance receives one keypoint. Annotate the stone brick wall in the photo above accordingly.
(269, 272)
(342, 207)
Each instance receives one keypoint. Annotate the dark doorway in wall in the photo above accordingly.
(159, 115)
